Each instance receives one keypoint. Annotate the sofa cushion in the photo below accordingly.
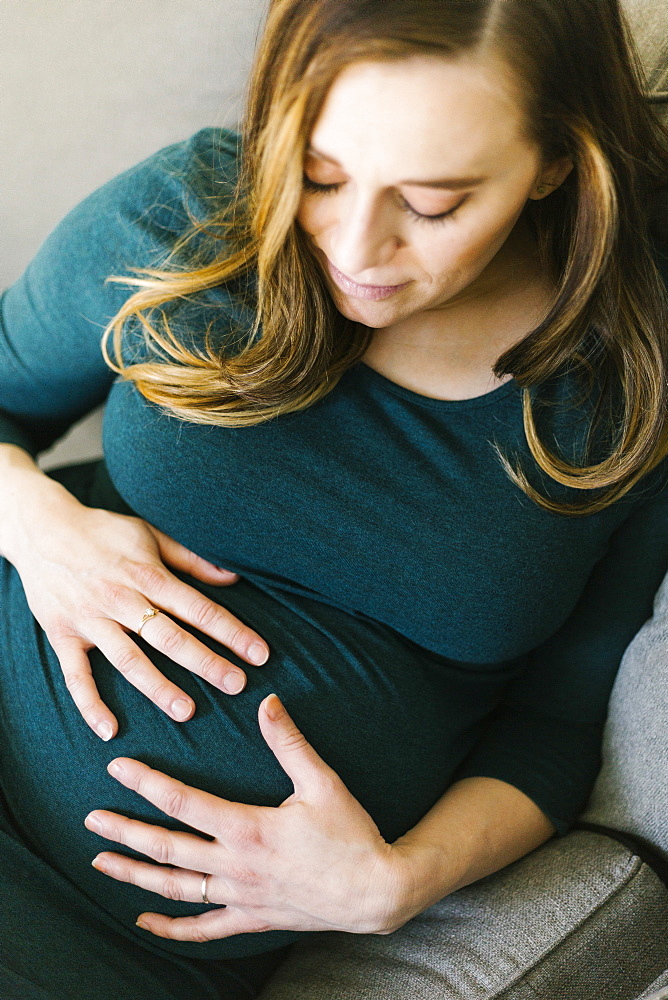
(649, 24)
(529, 932)
(631, 792)
(658, 990)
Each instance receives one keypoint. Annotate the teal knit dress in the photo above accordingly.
(427, 621)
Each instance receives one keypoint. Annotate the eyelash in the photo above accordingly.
(433, 219)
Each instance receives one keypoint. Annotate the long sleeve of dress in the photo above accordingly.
(545, 736)
(52, 371)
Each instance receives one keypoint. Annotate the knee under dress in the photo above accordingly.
(427, 621)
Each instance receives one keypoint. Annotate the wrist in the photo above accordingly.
(29, 498)
(428, 872)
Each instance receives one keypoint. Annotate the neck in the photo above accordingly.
(450, 352)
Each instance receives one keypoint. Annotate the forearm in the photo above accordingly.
(25, 492)
(477, 827)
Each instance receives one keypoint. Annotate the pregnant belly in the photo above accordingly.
(391, 721)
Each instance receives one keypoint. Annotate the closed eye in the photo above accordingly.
(310, 185)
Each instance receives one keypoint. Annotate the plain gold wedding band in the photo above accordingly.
(205, 898)
(148, 614)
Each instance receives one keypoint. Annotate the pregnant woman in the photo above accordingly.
(393, 355)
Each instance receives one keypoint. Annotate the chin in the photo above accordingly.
(376, 315)
(373, 322)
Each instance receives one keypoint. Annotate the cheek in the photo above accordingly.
(468, 249)
(311, 215)
(458, 253)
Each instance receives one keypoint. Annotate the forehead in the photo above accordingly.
(413, 116)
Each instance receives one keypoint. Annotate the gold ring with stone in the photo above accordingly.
(148, 614)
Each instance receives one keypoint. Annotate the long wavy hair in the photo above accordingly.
(585, 93)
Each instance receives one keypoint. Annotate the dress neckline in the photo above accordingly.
(485, 399)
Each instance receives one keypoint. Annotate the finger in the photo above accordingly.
(167, 847)
(187, 604)
(126, 656)
(303, 765)
(211, 926)
(177, 555)
(180, 884)
(78, 676)
(169, 638)
(209, 813)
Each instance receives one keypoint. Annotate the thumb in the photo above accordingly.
(292, 750)
(178, 556)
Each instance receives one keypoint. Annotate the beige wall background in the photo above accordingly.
(90, 87)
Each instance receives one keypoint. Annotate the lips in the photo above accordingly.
(361, 291)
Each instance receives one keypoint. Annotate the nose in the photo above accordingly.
(365, 239)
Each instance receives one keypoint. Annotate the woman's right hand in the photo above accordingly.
(88, 580)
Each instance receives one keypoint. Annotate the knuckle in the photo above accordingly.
(174, 802)
(171, 888)
(159, 849)
(150, 578)
(116, 833)
(200, 935)
(161, 693)
(125, 873)
(61, 631)
(115, 595)
(237, 635)
(245, 837)
(294, 740)
(204, 614)
(128, 662)
(74, 682)
(244, 878)
(82, 696)
(170, 639)
(209, 667)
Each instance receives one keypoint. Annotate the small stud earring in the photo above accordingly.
(542, 189)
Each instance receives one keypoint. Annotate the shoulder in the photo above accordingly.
(133, 222)
(147, 206)
(202, 168)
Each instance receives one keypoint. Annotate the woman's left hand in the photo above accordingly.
(316, 862)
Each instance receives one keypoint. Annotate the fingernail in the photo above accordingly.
(274, 708)
(234, 682)
(181, 709)
(104, 731)
(93, 823)
(115, 769)
(140, 923)
(258, 654)
(100, 864)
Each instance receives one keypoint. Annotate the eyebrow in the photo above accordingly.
(451, 183)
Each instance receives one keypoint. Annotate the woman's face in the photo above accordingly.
(425, 135)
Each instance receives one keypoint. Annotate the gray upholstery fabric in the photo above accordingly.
(631, 793)
(530, 932)
(649, 24)
(658, 990)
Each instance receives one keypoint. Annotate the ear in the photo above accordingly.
(552, 175)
